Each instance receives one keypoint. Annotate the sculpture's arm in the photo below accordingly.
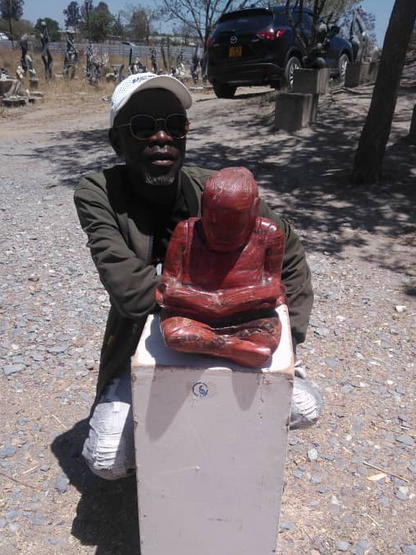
(268, 291)
(186, 300)
(172, 293)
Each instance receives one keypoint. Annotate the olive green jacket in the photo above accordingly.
(120, 237)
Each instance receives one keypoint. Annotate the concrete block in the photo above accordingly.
(372, 71)
(33, 84)
(210, 440)
(311, 81)
(6, 85)
(295, 111)
(14, 102)
(358, 73)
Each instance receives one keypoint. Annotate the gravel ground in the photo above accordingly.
(350, 481)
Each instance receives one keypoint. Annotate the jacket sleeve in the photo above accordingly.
(296, 276)
(129, 280)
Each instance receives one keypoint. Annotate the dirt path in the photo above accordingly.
(351, 480)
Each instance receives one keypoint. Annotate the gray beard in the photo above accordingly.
(160, 181)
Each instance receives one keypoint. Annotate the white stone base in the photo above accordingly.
(211, 442)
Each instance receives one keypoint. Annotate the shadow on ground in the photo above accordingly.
(306, 175)
(107, 511)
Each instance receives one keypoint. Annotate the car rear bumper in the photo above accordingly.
(258, 73)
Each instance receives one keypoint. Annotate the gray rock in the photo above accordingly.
(8, 451)
(346, 389)
(289, 525)
(402, 493)
(332, 362)
(11, 516)
(58, 348)
(409, 549)
(406, 440)
(13, 369)
(61, 483)
(366, 547)
(343, 546)
(321, 332)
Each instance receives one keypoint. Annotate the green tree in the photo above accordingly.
(86, 10)
(11, 9)
(51, 25)
(101, 22)
(118, 29)
(72, 15)
(373, 140)
(21, 27)
(139, 21)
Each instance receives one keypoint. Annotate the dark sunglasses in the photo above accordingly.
(142, 126)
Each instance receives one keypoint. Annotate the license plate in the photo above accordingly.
(235, 52)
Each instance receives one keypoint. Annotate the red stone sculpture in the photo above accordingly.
(222, 276)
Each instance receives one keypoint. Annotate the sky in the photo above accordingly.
(35, 9)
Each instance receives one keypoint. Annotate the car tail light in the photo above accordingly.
(210, 41)
(270, 34)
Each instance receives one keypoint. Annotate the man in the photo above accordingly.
(129, 213)
(221, 279)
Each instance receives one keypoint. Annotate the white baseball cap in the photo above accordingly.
(141, 81)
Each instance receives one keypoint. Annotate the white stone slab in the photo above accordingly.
(211, 441)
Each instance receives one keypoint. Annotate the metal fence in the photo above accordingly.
(117, 50)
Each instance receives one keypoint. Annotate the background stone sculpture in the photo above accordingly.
(45, 53)
(222, 276)
(26, 61)
(71, 54)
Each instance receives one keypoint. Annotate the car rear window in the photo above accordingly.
(245, 22)
(281, 19)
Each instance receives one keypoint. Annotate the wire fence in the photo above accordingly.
(118, 50)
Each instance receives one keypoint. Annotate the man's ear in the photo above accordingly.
(114, 138)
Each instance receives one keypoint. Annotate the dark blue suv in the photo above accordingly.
(257, 46)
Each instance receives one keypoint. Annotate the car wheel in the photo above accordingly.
(222, 90)
(342, 67)
(292, 65)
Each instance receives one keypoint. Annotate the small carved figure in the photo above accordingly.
(46, 54)
(195, 62)
(222, 276)
(316, 56)
(136, 66)
(95, 64)
(359, 38)
(153, 59)
(26, 61)
(20, 73)
(71, 54)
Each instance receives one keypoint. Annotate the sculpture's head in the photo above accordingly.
(148, 131)
(230, 205)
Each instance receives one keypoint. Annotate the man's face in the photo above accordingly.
(227, 224)
(154, 162)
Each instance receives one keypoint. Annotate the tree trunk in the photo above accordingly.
(372, 145)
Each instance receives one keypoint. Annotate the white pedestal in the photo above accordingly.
(211, 442)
